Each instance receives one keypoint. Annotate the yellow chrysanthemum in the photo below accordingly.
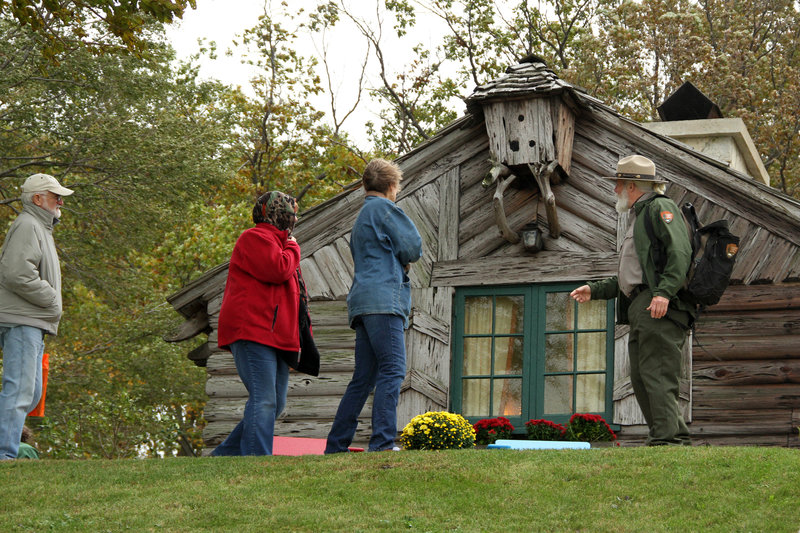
(438, 430)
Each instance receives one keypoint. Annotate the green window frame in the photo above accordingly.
(530, 352)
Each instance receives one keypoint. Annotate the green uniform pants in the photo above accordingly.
(654, 346)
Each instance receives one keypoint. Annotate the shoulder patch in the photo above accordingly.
(667, 216)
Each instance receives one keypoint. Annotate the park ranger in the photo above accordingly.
(648, 297)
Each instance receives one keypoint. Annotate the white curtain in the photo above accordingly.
(568, 350)
(561, 355)
(508, 352)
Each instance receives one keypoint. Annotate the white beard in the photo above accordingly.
(56, 212)
(623, 202)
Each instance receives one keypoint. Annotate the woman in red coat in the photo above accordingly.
(258, 321)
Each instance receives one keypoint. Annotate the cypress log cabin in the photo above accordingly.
(514, 215)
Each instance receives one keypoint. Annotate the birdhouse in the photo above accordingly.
(530, 121)
(532, 131)
(530, 117)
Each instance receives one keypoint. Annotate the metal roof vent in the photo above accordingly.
(688, 103)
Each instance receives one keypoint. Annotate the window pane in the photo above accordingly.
(564, 354)
(559, 312)
(507, 397)
(508, 352)
(592, 315)
(591, 351)
(591, 393)
(509, 312)
(478, 315)
(475, 397)
(558, 353)
(557, 395)
(477, 356)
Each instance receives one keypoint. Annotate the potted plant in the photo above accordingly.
(489, 430)
(540, 429)
(589, 428)
(438, 430)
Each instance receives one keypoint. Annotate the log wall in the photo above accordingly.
(746, 370)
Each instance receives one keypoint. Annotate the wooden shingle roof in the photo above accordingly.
(519, 81)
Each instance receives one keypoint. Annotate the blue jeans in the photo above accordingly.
(380, 364)
(266, 376)
(23, 347)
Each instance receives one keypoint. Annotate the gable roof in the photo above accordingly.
(465, 137)
(534, 79)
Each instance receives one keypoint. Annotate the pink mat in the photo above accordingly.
(301, 446)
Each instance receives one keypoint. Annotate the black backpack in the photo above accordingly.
(714, 250)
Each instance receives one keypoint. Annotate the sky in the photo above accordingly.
(223, 20)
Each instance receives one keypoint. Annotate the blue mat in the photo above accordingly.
(508, 444)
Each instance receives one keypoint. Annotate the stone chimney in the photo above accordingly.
(690, 117)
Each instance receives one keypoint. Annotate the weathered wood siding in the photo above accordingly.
(746, 371)
(426, 386)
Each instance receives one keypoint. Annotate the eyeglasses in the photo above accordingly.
(57, 197)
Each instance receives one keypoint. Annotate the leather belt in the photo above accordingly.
(637, 290)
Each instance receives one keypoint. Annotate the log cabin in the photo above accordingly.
(514, 214)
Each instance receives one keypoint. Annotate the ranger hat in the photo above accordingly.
(636, 168)
(44, 183)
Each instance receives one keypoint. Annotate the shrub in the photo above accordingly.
(488, 430)
(589, 428)
(437, 430)
(544, 430)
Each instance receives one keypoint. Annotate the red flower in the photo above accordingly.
(488, 430)
(590, 428)
(541, 429)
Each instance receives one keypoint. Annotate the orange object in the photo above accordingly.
(297, 446)
(39, 409)
(301, 446)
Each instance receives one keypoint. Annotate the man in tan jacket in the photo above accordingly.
(30, 303)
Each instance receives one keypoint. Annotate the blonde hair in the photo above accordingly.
(380, 175)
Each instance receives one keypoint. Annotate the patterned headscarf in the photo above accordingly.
(276, 208)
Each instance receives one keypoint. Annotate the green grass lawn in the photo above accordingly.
(612, 489)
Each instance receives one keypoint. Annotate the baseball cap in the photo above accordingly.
(44, 182)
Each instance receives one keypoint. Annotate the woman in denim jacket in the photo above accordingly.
(384, 242)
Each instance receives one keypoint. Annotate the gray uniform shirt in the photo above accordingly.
(630, 269)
